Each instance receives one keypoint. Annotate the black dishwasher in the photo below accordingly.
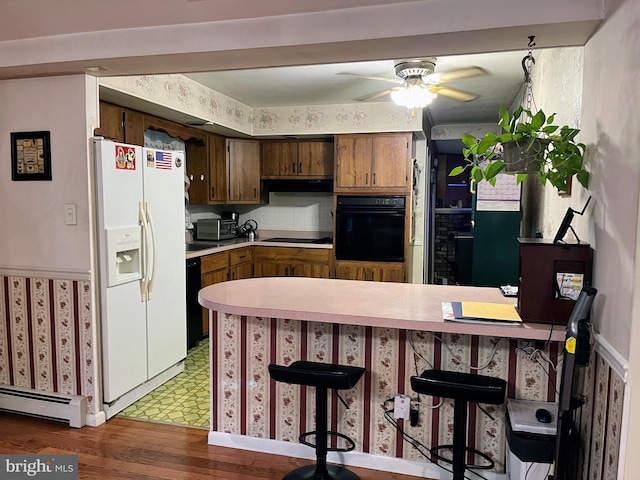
(194, 309)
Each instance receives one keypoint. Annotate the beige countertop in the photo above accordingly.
(233, 243)
(378, 304)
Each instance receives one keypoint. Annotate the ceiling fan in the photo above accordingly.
(419, 84)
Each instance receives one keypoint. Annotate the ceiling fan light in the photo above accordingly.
(412, 96)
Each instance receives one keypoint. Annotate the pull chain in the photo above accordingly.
(527, 64)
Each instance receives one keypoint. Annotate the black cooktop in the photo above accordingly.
(299, 240)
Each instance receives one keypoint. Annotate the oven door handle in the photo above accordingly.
(371, 212)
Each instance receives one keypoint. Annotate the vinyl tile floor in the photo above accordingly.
(183, 400)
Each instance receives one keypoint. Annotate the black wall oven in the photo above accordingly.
(370, 228)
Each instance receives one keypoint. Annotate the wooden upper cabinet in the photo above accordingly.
(198, 173)
(279, 159)
(120, 124)
(300, 159)
(391, 161)
(315, 159)
(353, 162)
(243, 170)
(217, 169)
(111, 122)
(133, 127)
(377, 163)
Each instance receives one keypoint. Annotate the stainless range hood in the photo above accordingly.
(325, 185)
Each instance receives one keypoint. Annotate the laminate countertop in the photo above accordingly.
(377, 304)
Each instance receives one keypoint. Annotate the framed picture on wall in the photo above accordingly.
(30, 156)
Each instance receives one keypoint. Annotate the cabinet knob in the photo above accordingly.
(191, 177)
(202, 178)
(366, 179)
(374, 178)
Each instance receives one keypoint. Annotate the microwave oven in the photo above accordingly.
(216, 229)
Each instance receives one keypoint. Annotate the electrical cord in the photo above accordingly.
(425, 451)
(453, 354)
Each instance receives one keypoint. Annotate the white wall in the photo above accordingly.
(611, 122)
(610, 126)
(34, 235)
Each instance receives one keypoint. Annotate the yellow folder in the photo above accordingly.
(488, 311)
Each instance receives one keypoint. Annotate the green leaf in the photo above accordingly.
(493, 169)
(456, 171)
(520, 178)
(538, 120)
(583, 178)
(469, 140)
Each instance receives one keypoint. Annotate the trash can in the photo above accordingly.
(462, 256)
(531, 444)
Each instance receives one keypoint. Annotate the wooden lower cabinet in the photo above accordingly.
(372, 271)
(214, 269)
(291, 262)
(241, 263)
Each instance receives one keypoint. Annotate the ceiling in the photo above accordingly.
(121, 37)
(324, 85)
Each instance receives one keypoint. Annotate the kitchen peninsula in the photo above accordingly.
(394, 330)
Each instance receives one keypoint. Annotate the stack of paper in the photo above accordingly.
(484, 312)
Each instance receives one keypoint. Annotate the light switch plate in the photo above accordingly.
(70, 217)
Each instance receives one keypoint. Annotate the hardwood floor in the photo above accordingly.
(131, 449)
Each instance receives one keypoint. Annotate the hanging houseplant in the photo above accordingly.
(529, 144)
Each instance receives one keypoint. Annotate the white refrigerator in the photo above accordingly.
(140, 236)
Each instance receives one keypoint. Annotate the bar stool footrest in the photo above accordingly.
(488, 466)
(351, 444)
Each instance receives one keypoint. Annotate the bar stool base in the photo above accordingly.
(308, 472)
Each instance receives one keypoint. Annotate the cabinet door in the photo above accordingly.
(211, 278)
(111, 122)
(291, 262)
(315, 159)
(198, 173)
(371, 271)
(133, 127)
(243, 169)
(279, 159)
(240, 271)
(391, 161)
(353, 161)
(217, 164)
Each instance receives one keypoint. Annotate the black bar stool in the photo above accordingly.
(322, 376)
(462, 388)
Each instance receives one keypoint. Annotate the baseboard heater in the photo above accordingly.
(57, 406)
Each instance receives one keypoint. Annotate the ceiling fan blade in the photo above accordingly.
(372, 77)
(452, 93)
(450, 76)
(375, 95)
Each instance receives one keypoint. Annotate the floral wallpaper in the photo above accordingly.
(247, 402)
(46, 341)
(187, 96)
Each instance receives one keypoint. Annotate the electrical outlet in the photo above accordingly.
(401, 407)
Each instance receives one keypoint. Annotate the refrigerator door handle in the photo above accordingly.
(152, 275)
(142, 218)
